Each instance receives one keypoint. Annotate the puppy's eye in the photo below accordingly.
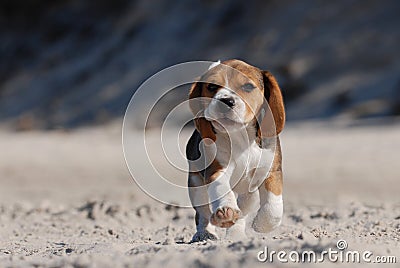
(212, 87)
(248, 87)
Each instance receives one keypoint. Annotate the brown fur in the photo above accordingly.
(205, 128)
(275, 101)
(212, 172)
(274, 182)
(202, 125)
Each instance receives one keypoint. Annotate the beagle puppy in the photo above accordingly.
(234, 153)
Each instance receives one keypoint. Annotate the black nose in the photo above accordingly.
(228, 101)
(225, 104)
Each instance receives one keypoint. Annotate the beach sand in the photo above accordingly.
(67, 199)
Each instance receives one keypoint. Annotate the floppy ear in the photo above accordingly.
(202, 125)
(272, 93)
(195, 92)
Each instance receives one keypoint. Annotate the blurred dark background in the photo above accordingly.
(66, 64)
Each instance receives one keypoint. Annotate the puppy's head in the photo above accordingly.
(233, 95)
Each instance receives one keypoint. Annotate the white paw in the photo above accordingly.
(269, 216)
(225, 217)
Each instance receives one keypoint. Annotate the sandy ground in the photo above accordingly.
(66, 199)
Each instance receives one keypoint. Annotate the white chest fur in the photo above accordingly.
(244, 159)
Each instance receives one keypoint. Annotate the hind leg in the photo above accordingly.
(200, 202)
(269, 216)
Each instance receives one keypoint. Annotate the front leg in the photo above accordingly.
(199, 199)
(225, 211)
(269, 216)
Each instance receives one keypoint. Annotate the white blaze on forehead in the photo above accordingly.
(214, 64)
